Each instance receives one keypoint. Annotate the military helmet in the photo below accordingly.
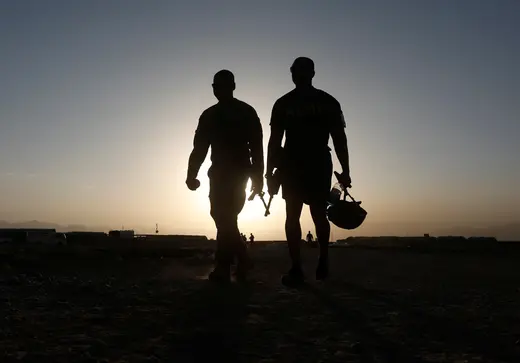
(346, 214)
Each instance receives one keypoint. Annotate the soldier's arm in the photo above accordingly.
(201, 143)
(256, 147)
(339, 137)
(275, 139)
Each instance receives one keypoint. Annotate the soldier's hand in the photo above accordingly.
(271, 184)
(193, 183)
(257, 185)
(344, 179)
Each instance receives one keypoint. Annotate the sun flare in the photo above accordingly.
(253, 210)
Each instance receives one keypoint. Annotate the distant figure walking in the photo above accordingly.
(234, 132)
(307, 116)
(251, 238)
(310, 237)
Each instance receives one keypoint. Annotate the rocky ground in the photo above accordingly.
(379, 306)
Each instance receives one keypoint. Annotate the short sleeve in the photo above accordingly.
(253, 115)
(277, 116)
(336, 115)
(342, 116)
(202, 132)
(253, 121)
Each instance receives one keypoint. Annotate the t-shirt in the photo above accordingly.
(308, 118)
(234, 132)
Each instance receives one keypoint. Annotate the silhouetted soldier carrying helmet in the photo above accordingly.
(233, 130)
(307, 116)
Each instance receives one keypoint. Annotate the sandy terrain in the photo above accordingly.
(379, 306)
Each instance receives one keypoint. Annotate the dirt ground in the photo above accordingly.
(379, 306)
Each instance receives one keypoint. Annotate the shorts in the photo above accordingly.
(227, 193)
(307, 180)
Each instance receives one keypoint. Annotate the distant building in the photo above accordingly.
(126, 234)
(31, 235)
(483, 239)
(86, 234)
(426, 241)
(451, 239)
(82, 237)
(13, 235)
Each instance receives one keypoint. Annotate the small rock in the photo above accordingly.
(356, 348)
(21, 355)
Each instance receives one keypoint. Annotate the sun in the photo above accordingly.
(253, 210)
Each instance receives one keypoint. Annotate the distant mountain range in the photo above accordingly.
(505, 232)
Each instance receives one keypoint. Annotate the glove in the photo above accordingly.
(193, 183)
(344, 179)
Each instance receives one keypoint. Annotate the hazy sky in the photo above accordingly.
(99, 101)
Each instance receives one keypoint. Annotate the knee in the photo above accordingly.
(292, 221)
(293, 229)
(224, 221)
(319, 215)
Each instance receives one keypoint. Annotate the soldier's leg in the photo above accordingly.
(293, 232)
(224, 252)
(219, 200)
(319, 217)
(244, 263)
(320, 189)
(227, 195)
(236, 204)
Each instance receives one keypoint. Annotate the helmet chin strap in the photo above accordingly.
(345, 191)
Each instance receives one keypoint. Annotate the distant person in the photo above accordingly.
(251, 238)
(233, 130)
(244, 237)
(307, 116)
(310, 237)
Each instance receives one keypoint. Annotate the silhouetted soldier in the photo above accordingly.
(233, 130)
(244, 237)
(307, 116)
(251, 238)
(310, 237)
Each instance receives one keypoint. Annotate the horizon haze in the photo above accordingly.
(506, 233)
(99, 102)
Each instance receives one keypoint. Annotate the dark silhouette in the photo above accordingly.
(233, 130)
(244, 237)
(310, 237)
(307, 116)
(251, 238)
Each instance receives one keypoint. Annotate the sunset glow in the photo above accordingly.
(99, 103)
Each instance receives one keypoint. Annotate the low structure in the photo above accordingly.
(426, 241)
(86, 238)
(125, 234)
(32, 235)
